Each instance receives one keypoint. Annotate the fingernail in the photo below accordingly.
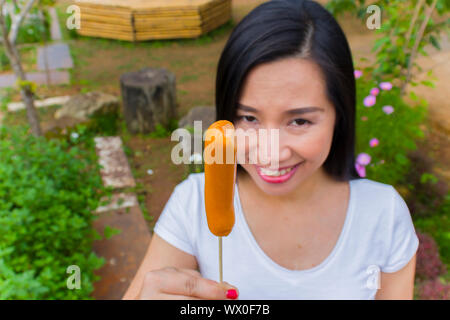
(232, 294)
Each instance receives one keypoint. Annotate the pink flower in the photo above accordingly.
(374, 91)
(388, 109)
(363, 159)
(358, 74)
(369, 101)
(381, 161)
(364, 118)
(361, 170)
(386, 86)
(374, 142)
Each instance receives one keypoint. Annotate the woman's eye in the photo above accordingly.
(301, 122)
(247, 118)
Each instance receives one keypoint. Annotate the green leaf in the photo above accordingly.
(434, 42)
(420, 133)
(108, 232)
(401, 159)
(425, 177)
(379, 43)
(413, 95)
(428, 83)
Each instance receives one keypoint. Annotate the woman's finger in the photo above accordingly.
(164, 296)
(192, 272)
(175, 282)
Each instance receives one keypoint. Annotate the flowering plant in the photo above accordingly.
(386, 129)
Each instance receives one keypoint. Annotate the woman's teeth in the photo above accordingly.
(275, 173)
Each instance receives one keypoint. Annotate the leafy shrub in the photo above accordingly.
(429, 195)
(33, 29)
(434, 290)
(386, 130)
(438, 225)
(399, 33)
(48, 191)
(428, 265)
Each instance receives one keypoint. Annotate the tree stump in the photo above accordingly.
(149, 98)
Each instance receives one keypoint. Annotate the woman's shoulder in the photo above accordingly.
(193, 180)
(379, 200)
(374, 190)
(191, 188)
(383, 221)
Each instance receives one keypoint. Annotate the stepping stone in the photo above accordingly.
(58, 57)
(119, 201)
(15, 106)
(55, 30)
(56, 77)
(116, 171)
(123, 252)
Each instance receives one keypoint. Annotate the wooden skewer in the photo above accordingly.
(220, 260)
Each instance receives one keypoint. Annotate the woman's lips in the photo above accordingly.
(281, 178)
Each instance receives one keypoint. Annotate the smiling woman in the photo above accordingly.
(308, 228)
(301, 31)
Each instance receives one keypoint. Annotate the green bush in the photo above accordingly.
(48, 191)
(396, 132)
(438, 225)
(33, 28)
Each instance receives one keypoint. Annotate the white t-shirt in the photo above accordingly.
(378, 235)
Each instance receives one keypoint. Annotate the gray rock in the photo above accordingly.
(207, 115)
(149, 99)
(83, 106)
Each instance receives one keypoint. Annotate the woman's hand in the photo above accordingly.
(171, 283)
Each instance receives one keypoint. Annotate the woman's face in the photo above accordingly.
(269, 95)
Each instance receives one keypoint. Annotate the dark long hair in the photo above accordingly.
(294, 28)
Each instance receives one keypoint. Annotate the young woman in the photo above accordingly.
(317, 230)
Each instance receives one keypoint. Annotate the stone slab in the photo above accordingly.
(116, 171)
(119, 201)
(57, 56)
(55, 30)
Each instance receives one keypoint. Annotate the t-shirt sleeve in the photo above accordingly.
(403, 239)
(173, 223)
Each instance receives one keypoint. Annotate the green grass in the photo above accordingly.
(28, 56)
(188, 78)
(20, 117)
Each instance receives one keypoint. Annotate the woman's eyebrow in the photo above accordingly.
(295, 111)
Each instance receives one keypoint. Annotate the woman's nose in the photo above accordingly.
(272, 150)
